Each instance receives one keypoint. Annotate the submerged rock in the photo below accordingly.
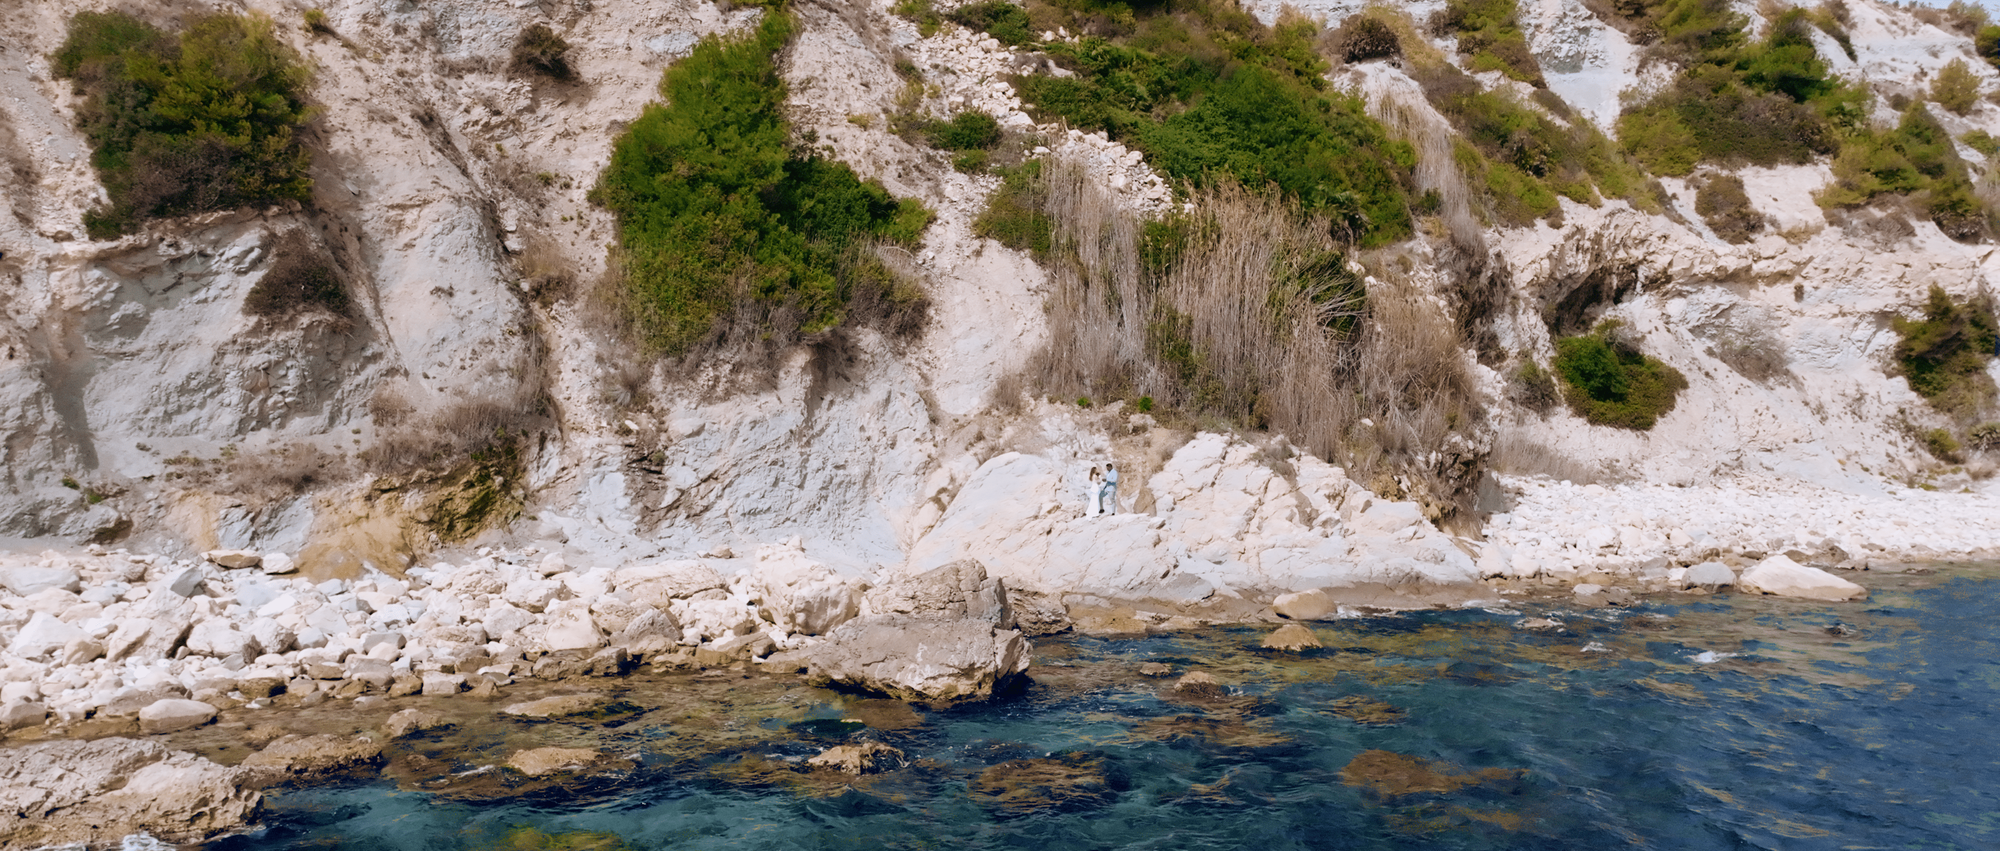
(1392, 775)
(863, 758)
(305, 759)
(1783, 577)
(910, 658)
(101, 791)
(538, 762)
(1050, 784)
(409, 722)
(589, 706)
(166, 716)
(1292, 638)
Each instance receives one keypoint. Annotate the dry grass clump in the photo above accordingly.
(1754, 352)
(301, 278)
(446, 436)
(1246, 312)
(284, 472)
(1364, 37)
(538, 50)
(1722, 203)
(1518, 455)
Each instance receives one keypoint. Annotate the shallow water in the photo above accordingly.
(1478, 734)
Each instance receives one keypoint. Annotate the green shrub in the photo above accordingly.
(1944, 354)
(1956, 87)
(1612, 384)
(1014, 215)
(301, 278)
(538, 50)
(724, 229)
(1942, 446)
(1981, 141)
(206, 119)
(1527, 159)
(1000, 19)
(1987, 44)
(1918, 160)
(1205, 90)
(923, 12)
(1722, 203)
(1489, 35)
(1765, 103)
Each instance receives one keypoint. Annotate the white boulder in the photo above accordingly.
(1783, 577)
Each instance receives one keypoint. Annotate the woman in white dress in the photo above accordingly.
(1094, 495)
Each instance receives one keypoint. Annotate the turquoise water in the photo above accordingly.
(1472, 733)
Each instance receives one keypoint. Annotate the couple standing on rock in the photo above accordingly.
(1101, 497)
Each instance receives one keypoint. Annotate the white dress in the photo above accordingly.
(1093, 499)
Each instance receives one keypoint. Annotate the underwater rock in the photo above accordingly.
(537, 762)
(1392, 775)
(1068, 781)
(863, 758)
(409, 722)
(1367, 710)
(1292, 638)
(303, 759)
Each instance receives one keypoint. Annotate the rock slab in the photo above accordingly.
(916, 659)
(99, 792)
(1783, 577)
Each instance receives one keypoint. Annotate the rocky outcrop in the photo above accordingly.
(543, 762)
(100, 792)
(800, 595)
(915, 659)
(959, 590)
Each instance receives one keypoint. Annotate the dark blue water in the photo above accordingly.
(1442, 730)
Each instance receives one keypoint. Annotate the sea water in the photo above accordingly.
(1721, 722)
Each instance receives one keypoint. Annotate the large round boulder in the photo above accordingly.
(939, 662)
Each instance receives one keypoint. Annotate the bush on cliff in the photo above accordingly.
(1611, 383)
(727, 231)
(1944, 354)
(190, 122)
(1207, 91)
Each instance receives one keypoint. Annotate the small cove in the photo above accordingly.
(1684, 723)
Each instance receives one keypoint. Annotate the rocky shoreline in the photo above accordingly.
(107, 652)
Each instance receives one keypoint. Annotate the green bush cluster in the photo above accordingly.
(1205, 89)
(1944, 354)
(1612, 384)
(1000, 19)
(1956, 87)
(1765, 103)
(190, 122)
(725, 227)
(1916, 159)
(1525, 158)
(969, 135)
(1940, 443)
(1490, 37)
(1015, 214)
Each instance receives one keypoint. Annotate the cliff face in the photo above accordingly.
(140, 402)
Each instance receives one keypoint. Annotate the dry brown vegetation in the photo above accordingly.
(447, 435)
(1247, 312)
